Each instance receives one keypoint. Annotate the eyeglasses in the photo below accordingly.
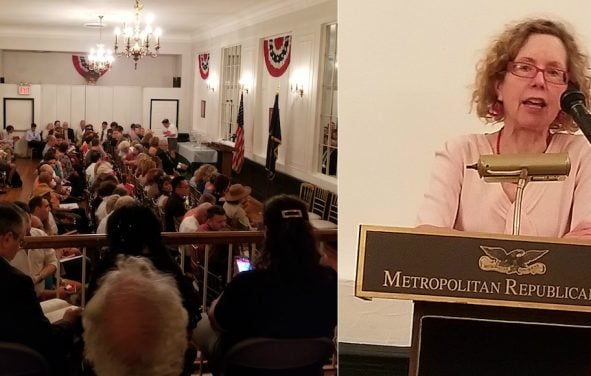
(527, 70)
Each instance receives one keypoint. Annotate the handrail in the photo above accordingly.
(169, 238)
(92, 242)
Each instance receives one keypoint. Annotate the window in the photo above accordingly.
(328, 109)
(230, 91)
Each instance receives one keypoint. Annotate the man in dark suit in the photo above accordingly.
(21, 318)
(69, 133)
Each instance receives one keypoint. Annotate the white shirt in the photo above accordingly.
(171, 131)
(102, 227)
(33, 261)
(101, 211)
(189, 224)
(33, 135)
(90, 173)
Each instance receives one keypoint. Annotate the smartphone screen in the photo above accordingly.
(243, 264)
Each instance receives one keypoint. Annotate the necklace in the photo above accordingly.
(498, 145)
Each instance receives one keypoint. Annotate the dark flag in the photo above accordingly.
(238, 158)
(274, 140)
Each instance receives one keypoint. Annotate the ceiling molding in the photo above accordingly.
(256, 15)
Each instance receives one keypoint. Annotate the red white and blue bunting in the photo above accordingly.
(81, 66)
(204, 65)
(277, 53)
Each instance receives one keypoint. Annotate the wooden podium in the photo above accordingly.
(224, 157)
(484, 304)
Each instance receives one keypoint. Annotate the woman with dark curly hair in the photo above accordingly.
(288, 294)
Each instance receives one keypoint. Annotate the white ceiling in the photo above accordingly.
(181, 20)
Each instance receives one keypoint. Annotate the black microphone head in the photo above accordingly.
(571, 96)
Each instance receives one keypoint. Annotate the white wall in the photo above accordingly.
(47, 60)
(299, 115)
(405, 75)
(57, 68)
(72, 103)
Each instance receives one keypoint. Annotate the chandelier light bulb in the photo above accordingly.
(100, 60)
(138, 41)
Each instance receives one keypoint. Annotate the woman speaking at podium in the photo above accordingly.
(518, 83)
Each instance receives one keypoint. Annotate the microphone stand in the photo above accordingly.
(523, 180)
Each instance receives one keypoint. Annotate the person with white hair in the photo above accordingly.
(136, 324)
(135, 231)
(114, 202)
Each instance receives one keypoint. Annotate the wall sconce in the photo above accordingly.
(297, 88)
(246, 82)
(212, 81)
(296, 83)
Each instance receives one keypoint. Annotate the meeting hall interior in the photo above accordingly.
(168, 187)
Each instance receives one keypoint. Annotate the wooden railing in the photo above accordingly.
(169, 238)
(93, 242)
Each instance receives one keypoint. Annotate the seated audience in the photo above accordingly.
(47, 132)
(218, 254)
(235, 198)
(103, 132)
(175, 205)
(41, 264)
(21, 318)
(165, 189)
(33, 137)
(9, 137)
(7, 170)
(277, 295)
(207, 197)
(50, 143)
(93, 157)
(195, 217)
(220, 186)
(135, 323)
(151, 186)
(203, 175)
(102, 210)
(114, 202)
(144, 164)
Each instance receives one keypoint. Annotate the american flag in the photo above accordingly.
(238, 158)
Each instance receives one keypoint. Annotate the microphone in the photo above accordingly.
(572, 101)
(507, 168)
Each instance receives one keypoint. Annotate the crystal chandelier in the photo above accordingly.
(137, 41)
(100, 60)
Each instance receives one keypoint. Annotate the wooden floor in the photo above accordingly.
(27, 170)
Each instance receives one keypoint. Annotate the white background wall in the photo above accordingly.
(299, 115)
(18, 63)
(72, 103)
(57, 68)
(405, 75)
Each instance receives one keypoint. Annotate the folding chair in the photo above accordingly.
(272, 356)
(17, 359)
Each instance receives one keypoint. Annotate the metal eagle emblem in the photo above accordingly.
(517, 261)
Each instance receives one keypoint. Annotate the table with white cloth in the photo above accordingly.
(197, 153)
